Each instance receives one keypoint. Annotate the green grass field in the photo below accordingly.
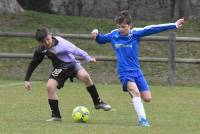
(173, 110)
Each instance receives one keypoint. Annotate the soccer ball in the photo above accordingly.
(80, 114)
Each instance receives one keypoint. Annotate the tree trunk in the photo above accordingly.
(182, 9)
(10, 6)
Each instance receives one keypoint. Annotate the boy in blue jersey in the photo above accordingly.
(125, 42)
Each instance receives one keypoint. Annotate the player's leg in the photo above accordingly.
(137, 103)
(83, 75)
(146, 95)
(143, 88)
(53, 100)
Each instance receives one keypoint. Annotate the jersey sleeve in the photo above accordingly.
(71, 48)
(36, 60)
(103, 38)
(153, 29)
(79, 52)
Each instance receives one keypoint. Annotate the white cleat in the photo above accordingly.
(54, 119)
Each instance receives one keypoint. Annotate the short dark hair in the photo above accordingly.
(123, 17)
(41, 34)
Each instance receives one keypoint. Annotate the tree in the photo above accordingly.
(9, 6)
(182, 8)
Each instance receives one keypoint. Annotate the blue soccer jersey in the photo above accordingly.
(126, 51)
(126, 47)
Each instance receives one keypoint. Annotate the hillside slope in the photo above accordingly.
(103, 72)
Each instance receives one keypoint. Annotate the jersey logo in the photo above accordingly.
(56, 72)
(44, 51)
(129, 36)
(122, 45)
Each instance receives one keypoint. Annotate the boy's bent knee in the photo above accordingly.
(87, 80)
(147, 99)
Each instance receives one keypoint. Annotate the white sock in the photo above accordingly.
(139, 108)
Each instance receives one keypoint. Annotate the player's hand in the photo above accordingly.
(94, 33)
(180, 23)
(93, 60)
(27, 85)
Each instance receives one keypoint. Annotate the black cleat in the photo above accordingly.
(104, 106)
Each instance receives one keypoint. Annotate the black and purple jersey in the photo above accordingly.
(61, 54)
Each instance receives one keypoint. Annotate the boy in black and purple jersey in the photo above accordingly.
(62, 54)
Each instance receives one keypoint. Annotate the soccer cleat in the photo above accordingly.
(104, 106)
(54, 119)
(144, 123)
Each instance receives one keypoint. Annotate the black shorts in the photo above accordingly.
(62, 74)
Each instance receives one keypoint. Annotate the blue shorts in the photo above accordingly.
(134, 76)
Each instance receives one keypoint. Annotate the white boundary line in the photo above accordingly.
(17, 83)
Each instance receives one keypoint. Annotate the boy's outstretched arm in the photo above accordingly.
(153, 29)
(93, 60)
(100, 38)
(27, 85)
(36, 60)
(180, 23)
(94, 33)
